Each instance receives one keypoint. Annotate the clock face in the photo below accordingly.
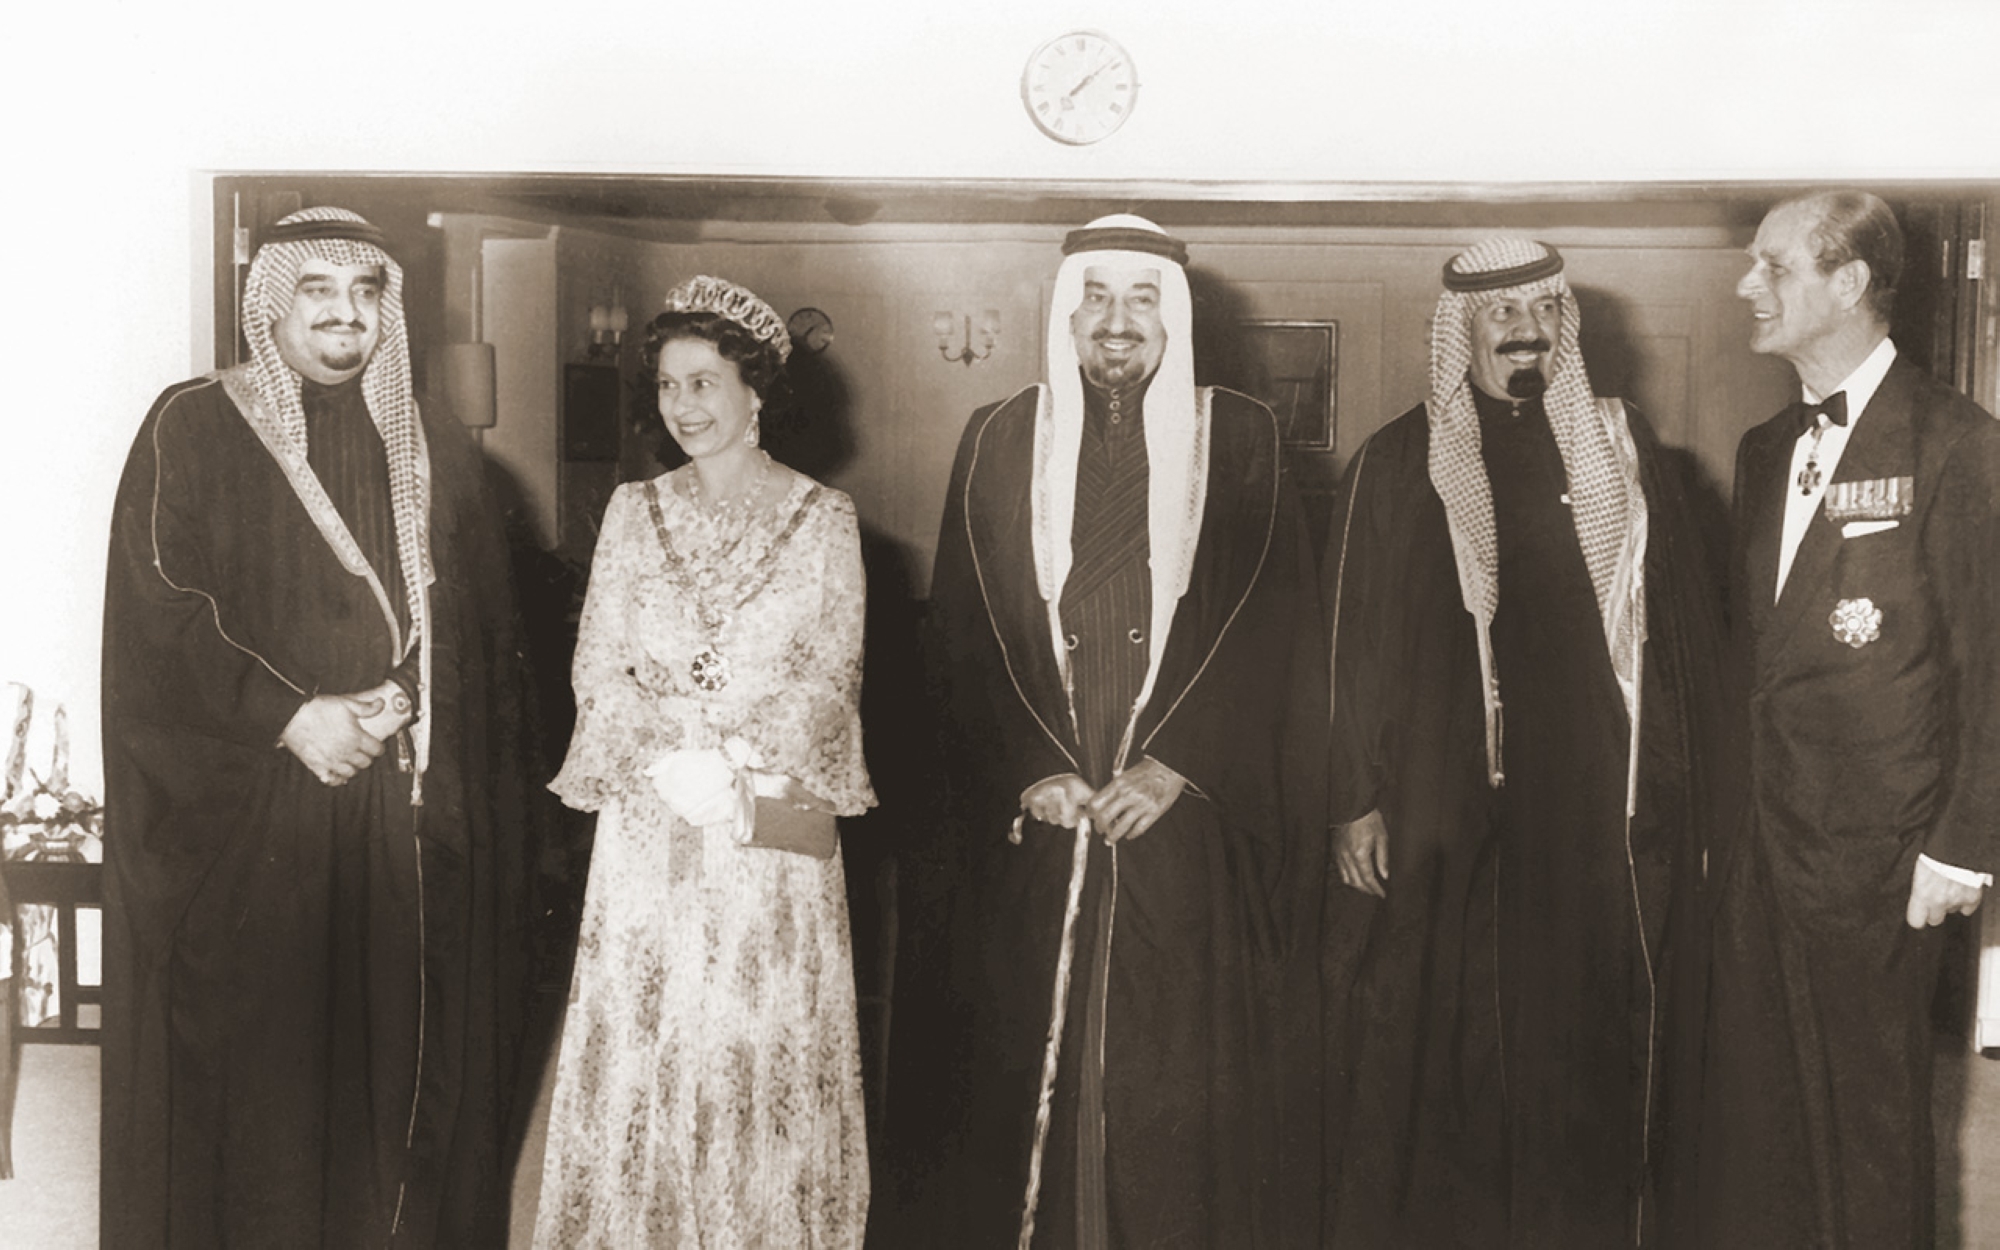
(1079, 87)
(811, 330)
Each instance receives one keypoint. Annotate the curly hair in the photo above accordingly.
(757, 363)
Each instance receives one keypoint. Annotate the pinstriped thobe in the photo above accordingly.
(1106, 608)
(1175, 1077)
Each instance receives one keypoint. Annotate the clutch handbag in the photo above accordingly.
(781, 827)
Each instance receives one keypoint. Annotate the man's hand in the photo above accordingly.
(1129, 804)
(1057, 800)
(1362, 851)
(327, 736)
(1933, 896)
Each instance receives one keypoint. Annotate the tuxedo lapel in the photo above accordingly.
(1881, 445)
(1766, 483)
(1803, 584)
(1878, 448)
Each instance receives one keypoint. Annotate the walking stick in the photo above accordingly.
(1058, 1009)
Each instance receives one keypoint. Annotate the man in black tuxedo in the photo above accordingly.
(1868, 610)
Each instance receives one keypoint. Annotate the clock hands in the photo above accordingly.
(1079, 87)
(1088, 78)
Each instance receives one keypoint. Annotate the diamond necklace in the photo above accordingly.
(738, 504)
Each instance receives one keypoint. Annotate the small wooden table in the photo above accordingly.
(66, 887)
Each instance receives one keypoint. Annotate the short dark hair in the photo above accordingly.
(1857, 225)
(756, 361)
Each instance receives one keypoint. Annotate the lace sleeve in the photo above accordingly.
(831, 763)
(619, 730)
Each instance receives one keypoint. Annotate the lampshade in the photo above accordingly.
(468, 383)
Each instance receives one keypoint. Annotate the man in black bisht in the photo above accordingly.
(1127, 657)
(312, 858)
(1523, 652)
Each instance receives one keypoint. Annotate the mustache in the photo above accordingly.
(1129, 336)
(1523, 345)
(335, 323)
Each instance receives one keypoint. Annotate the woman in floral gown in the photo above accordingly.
(709, 1087)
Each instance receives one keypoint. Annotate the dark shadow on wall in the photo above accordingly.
(549, 589)
(1220, 359)
(895, 734)
(1617, 367)
(812, 428)
(1610, 351)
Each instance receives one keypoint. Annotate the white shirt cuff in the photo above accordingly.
(1964, 876)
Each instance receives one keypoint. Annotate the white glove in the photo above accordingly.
(708, 786)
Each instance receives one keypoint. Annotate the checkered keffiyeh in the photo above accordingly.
(1598, 456)
(339, 237)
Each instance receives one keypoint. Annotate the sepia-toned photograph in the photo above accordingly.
(1065, 629)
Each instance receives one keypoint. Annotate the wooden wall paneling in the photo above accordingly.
(936, 397)
(1357, 308)
(1662, 325)
(520, 319)
(1642, 353)
(1734, 388)
(1986, 383)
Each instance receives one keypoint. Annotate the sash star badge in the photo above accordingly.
(1856, 622)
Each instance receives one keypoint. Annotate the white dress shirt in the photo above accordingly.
(1828, 441)
(1823, 446)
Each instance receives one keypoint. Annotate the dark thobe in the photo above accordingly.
(1867, 750)
(1169, 1123)
(307, 1022)
(1501, 1066)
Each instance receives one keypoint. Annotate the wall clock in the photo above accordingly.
(811, 330)
(1079, 87)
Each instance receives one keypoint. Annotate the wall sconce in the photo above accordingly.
(989, 332)
(469, 379)
(608, 323)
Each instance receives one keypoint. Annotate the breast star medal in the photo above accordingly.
(710, 669)
(1856, 622)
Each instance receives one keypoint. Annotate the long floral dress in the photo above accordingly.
(709, 1088)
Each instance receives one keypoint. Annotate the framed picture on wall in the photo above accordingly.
(1294, 367)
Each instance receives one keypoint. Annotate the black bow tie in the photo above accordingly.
(1833, 408)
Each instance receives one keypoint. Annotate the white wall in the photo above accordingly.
(115, 109)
